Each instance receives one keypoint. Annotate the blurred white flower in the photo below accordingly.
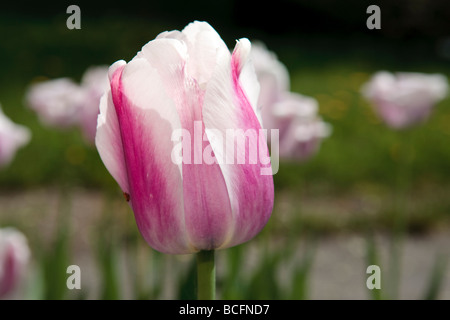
(56, 101)
(93, 84)
(404, 99)
(12, 137)
(63, 103)
(14, 260)
(301, 129)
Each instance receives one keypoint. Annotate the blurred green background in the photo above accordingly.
(363, 179)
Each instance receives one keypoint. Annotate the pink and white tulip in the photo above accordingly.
(12, 137)
(14, 259)
(94, 83)
(301, 129)
(404, 99)
(56, 101)
(63, 103)
(177, 81)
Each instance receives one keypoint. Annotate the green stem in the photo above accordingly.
(206, 275)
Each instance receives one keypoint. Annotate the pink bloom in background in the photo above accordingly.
(94, 83)
(56, 101)
(14, 259)
(12, 137)
(404, 99)
(175, 82)
(62, 103)
(301, 129)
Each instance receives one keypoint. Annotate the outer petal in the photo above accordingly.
(108, 137)
(146, 118)
(227, 109)
(248, 79)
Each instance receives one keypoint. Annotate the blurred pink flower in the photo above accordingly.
(404, 99)
(56, 101)
(14, 259)
(177, 81)
(94, 83)
(12, 137)
(63, 103)
(301, 129)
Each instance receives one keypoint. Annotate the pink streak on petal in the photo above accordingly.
(206, 201)
(154, 181)
(254, 192)
(109, 142)
(10, 272)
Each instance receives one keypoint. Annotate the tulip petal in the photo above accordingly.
(205, 46)
(227, 107)
(109, 142)
(147, 118)
(248, 81)
(207, 205)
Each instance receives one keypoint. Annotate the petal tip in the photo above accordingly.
(114, 67)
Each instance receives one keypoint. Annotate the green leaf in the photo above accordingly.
(436, 278)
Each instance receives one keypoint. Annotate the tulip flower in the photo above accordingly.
(63, 103)
(14, 258)
(404, 99)
(186, 80)
(56, 101)
(12, 137)
(301, 129)
(93, 84)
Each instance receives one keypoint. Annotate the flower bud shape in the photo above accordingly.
(404, 99)
(63, 103)
(93, 84)
(56, 101)
(301, 129)
(14, 258)
(187, 81)
(12, 137)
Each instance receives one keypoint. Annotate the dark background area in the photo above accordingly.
(321, 30)
(400, 18)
